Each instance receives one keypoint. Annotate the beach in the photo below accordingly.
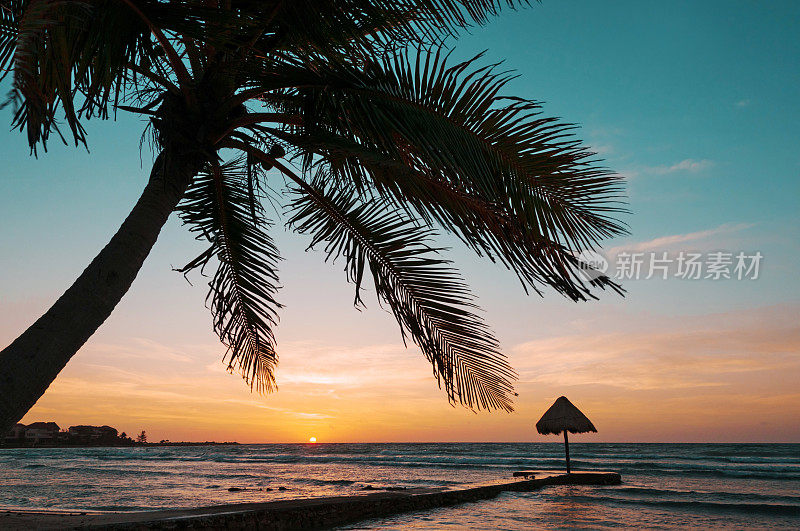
(663, 485)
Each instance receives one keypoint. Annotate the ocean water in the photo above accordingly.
(664, 485)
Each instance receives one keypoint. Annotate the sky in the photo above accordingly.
(695, 103)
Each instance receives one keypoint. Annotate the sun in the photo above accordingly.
(312, 440)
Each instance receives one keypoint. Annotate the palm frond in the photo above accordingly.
(428, 299)
(325, 26)
(61, 48)
(77, 57)
(219, 207)
(512, 184)
(454, 120)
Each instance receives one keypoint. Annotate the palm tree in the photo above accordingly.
(383, 140)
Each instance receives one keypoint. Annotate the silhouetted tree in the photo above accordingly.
(383, 141)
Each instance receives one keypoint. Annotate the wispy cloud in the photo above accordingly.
(260, 404)
(686, 166)
(139, 348)
(602, 149)
(713, 351)
(603, 140)
(742, 103)
(666, 243)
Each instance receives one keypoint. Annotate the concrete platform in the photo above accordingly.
(313, 513)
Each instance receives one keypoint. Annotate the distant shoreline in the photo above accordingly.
(118, 445)
(235, 443)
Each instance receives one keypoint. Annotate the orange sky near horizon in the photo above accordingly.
(726, 377)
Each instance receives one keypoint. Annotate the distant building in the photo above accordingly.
(93, 432)
(16, 434)
(49, 434)
(41, 431)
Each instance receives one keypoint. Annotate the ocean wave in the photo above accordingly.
(397, 461)
(326, 482)
(785, 464)
(147, 465)
(773, 509)
(745, 496)
(668, 468)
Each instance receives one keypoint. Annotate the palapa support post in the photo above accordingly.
(566, 447)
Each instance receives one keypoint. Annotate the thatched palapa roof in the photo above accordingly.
(563, 415)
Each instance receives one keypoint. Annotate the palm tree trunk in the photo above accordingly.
(30, 364)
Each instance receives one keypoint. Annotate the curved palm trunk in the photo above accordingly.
(30, 364)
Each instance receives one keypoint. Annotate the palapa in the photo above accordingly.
(564, 416)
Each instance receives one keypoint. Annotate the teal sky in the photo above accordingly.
(696, 103)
